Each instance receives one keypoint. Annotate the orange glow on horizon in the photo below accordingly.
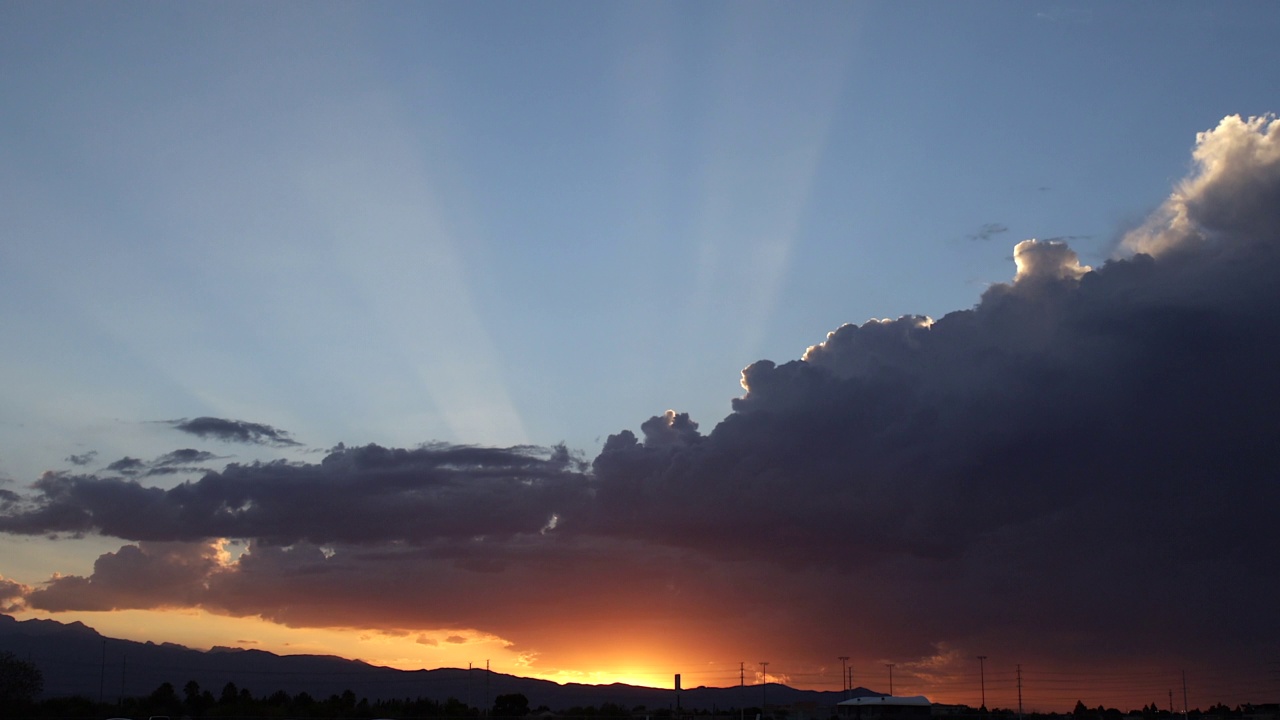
(644, 660)
(405, 650)
(638, 677)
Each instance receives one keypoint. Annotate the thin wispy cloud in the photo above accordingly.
(988, 231)
(235, 431)
(83, 458)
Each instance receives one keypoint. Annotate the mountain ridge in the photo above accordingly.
(76, 660)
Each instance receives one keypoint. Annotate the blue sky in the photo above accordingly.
(508, 223)
(505, 223)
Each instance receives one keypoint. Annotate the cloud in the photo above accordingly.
(176, 462)
(670, 430)
(127, 466)
(355, 495)
(1046, 261)
(1230, 195)
(83, 458)
(235, 431)
(988, 231)
(185, 456)
(12, 595)
(1076, 464)
(146, 575)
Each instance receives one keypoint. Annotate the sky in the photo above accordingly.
(605, 341)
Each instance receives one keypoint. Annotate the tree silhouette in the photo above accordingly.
(513, 705)
(230, 694)
(20, 681)
(164, 698)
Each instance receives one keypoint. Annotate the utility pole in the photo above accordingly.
(1019, 692)
(844, 675)
(764, 687)
(1184, 693)
(982, 678)
(890, 666)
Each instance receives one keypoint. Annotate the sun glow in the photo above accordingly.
(627, 676)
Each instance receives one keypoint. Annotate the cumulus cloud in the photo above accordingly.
(1073, 447)
(1048, 261)
(1230, 195)
(1011, 445)
(12, 595)
(671, 429)
(146, 575)
(235, 431)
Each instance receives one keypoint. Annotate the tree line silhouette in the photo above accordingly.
(21, 684)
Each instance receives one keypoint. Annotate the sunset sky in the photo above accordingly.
(606, 341)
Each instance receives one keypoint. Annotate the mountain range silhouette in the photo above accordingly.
(78, 661)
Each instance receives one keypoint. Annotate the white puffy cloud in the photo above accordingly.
(1039, 261)
(1230, 196)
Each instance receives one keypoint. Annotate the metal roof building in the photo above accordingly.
(885, 706)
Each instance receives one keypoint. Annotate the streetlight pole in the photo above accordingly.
(982, 678)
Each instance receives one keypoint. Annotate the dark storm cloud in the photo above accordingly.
(366, 494)
(670, 430)
(235, 431)
(1082, 461)
(146, 575)
(1126, 413)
